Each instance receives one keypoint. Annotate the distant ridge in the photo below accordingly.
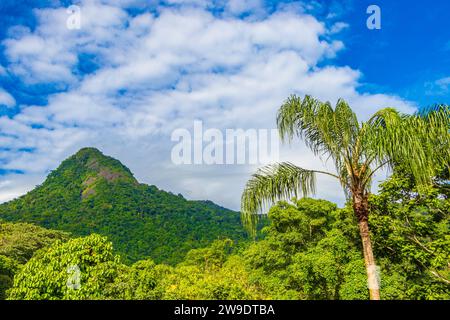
(90, 192)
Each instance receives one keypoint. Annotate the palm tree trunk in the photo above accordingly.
(361, 209)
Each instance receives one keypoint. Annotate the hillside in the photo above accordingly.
(90, 192)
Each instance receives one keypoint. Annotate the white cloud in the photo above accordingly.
(338, 27)
(14, 185)
(244, 6)
(36, 59)
(444, 82)
(6, 99)
(438, 87)
(160, 72)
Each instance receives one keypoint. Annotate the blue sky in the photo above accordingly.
(408, 55)
(136, 70)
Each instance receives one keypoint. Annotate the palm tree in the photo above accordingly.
(358, 151)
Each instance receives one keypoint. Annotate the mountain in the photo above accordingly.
(93, 193)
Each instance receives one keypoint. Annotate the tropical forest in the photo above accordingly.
(224, 159)
(92, 231)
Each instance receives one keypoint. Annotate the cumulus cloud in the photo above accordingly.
(6, 99)
(156, 72)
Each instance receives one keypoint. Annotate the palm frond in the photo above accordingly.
(421, 142)
(317, 124)
(272, 183)
(326, 131)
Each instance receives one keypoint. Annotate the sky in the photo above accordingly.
(135, 71)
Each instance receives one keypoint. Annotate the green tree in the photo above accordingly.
(52, 274)
(358, 150)
(207, 273)
(144, 280)
(310, 251)
(212, 273)
(18, 243)
(412, 232)
(8, 267)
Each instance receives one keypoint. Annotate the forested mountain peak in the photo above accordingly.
(88, 168)
(93, 193)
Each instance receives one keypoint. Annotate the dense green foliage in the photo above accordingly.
(412, 235)
(18, 243)
(419, 142)
(49, 273)
(306, 251)
(92, 193)
(311, 250)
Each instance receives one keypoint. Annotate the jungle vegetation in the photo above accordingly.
(91, 231)
(419, 142)
(93, 193)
